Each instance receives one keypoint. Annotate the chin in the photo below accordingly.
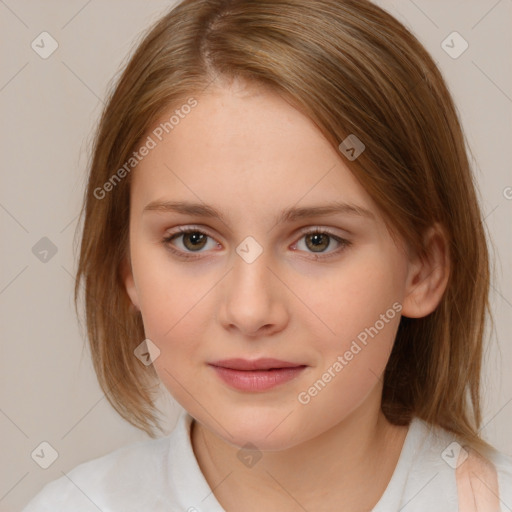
(265, 430)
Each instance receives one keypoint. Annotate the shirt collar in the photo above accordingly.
(189, 487)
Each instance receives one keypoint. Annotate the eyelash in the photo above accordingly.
(315, 231)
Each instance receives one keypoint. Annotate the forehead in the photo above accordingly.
(242, 146)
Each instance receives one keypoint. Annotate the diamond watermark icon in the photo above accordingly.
(249, 455)
(44, 250)
(44, 455)
(44, 45)
(454, 45)
(454, 455)
(147, 352)
(249, 249)
(351, 147)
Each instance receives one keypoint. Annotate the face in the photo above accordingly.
(253, 272)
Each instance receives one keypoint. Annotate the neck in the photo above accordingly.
(347, 467)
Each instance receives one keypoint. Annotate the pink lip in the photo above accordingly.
(257, 375)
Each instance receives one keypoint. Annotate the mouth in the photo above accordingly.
(256, 375)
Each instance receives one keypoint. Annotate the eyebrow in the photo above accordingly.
(286, 215)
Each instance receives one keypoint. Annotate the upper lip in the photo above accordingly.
(264, 363)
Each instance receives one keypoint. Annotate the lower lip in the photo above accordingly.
(257, 380)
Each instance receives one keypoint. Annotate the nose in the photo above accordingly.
(253, 298)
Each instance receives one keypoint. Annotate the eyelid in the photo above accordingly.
(311, 229)
(306, 229)
(323, 229)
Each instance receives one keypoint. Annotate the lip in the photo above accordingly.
(263, 363)
(258, 374)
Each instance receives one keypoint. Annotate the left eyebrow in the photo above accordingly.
(286, 215)
(334, 208)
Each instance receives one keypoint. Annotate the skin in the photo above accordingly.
(249, 154)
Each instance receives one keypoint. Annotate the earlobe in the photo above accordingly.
(129, 283)
(428, 276)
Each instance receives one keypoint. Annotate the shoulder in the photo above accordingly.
(109, 482)
(447, 467)
(484, 480)
(502, 466)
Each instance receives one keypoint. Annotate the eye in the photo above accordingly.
(193, 240)
(319, 240)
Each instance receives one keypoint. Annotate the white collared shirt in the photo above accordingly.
(160, 475)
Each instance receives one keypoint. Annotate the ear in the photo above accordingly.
(129, 282)
(428, 276)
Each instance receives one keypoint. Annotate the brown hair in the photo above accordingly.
(352, 69)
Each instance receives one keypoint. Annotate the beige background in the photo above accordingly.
(48, 110)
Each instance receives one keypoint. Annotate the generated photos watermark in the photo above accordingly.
(151, 142)
(357, 345)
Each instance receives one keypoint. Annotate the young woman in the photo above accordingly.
(281, 226)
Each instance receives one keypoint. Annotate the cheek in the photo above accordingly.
(361, 306)
(174, 310)
(358, 297)
(351, 363)
(168, 292)
(178, 328)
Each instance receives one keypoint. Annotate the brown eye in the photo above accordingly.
(317, 242)
(187, 241)
(194, 240)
